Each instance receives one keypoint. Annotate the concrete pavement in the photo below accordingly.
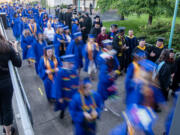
(47, 122)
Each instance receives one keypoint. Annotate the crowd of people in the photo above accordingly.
(61, 45)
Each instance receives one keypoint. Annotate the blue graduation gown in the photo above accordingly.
(48, 84)
(28, 53)
(105, 82)
(17, 28)
(39, 51)
(120, 130)
(82, 126)
(85, 54)
(76, 49)
(66, 85)
(59, 48)
(129, 82)
(38, 29)
(75, 28)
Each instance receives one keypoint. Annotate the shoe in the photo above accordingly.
(62, 114)
(157, 110)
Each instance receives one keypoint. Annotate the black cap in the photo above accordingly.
(121, 29)
(142, 38)
(160, 39)
(114, 25)
(97, 16)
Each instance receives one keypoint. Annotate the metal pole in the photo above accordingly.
(173, 23)
(78, 5)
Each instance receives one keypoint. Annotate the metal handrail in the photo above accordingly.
(24, 117)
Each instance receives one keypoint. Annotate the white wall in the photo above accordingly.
(53, 3)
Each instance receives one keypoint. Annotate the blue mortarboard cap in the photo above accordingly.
(86, 80)
(139, 53)
(49, 47)
(140, 117)
(68, 58)
(44, 8)
(91, 36)
(77, 34)
(50, 16)
(147, 65)
(60, 26)
(66, 27)
(107, 42)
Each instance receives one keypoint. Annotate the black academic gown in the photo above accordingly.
(88, 22)
(95, 31)
(68, 18)
(157, 52)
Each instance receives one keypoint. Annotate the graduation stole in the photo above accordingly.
(33, 30)
(130, 128)
(136, 69)
(141, 48)
(84, 106)
(131, 37)
(162, 46)
(90, 50)
(48, 66)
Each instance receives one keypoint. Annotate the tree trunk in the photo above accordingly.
(121, 17)
(150, 19)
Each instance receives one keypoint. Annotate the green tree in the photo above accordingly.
(151, 7)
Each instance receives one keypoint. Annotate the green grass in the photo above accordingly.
(135, 22)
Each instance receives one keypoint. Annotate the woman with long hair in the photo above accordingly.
(7, 52)
(27, 46)
(60, 42)
(164, 72)
(49, 33)
(48, 67)
(39, 45)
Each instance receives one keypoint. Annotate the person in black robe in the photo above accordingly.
(61, 15)
(96, 29)
(132, 43)
(120, 45)
(83, 28)
(68, 18)
(57, 9)
(164, 73)
(176, 78)
(88, 22)
(90, 8)
(155, 51)
(142, 46)
(97, 19)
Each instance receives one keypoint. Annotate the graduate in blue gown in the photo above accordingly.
(90, 52)
(132, 72)
(85, 109)
(39, 49)
(60, 42)
(75, 26)
(17, 27)
(146, 90)
(34, 28)
(66, 84)
(27, 46)
(48, 69)
(67, 34)
(75, 47)
(138, 120)
(107, 75)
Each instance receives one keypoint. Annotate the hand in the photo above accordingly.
(56, 69)
(152, 54)
(87, 116)
(94, 114)
(61, 100)
(14, 45)
(29, 46)
(48, 71)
